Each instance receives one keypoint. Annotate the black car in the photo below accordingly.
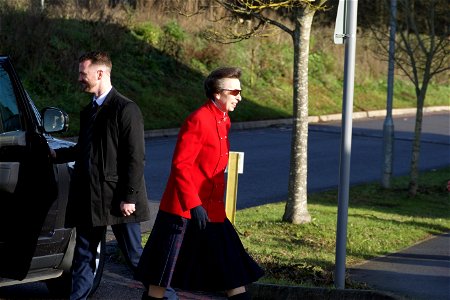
(34, 243)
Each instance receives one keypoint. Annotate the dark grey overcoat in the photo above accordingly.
(116, 172)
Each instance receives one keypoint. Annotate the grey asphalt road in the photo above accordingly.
(266, 162)
(265, 178)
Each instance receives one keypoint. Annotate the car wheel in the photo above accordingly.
(61, 286)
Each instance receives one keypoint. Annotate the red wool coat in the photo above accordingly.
(198, 165)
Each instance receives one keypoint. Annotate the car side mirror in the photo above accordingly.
(54, 120)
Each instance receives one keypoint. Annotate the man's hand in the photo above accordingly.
(127, 209)
(199, 216)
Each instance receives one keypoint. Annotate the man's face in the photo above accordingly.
(230, 94)
(88, 77)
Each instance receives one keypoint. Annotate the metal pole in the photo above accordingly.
(346, 143)
(388, 126)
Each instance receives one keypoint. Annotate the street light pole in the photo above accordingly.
(350, 13)
(388, 126)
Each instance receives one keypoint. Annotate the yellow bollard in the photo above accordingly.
(235, 163)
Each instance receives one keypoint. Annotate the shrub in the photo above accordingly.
(148, 33)
(172, 38)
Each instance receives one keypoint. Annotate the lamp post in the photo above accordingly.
(347, 15)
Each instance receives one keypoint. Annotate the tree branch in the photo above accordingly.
(245, 8)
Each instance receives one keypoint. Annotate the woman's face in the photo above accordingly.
(230, 94)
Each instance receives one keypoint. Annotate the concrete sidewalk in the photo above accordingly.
(418, 272)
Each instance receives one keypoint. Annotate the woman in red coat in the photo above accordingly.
(193, 246)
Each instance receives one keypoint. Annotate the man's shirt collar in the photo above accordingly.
(102, 97)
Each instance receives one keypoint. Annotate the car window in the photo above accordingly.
(9, 112)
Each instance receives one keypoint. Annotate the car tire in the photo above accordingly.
(61, 286)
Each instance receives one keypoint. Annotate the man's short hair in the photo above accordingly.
(97, 58)
(213, 83)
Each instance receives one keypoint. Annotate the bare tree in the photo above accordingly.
(422, 51)
(295, 18)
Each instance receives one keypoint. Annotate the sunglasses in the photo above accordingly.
(232, 92)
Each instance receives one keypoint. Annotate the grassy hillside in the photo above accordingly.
(161, 65)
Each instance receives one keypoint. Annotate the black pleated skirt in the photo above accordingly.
(180, 255)
(213, 259)
(160, 254)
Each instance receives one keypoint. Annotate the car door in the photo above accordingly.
(27, 180)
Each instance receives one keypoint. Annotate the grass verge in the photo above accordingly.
(380, 221)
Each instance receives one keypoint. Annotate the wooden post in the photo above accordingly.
(235, 163)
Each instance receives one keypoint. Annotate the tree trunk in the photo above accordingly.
(414, 171)
(296, 210)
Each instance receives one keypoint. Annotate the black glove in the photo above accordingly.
(199, 216)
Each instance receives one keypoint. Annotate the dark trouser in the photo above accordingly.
(128, 236)
(83, 265)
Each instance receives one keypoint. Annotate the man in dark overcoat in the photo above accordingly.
(107, 186)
